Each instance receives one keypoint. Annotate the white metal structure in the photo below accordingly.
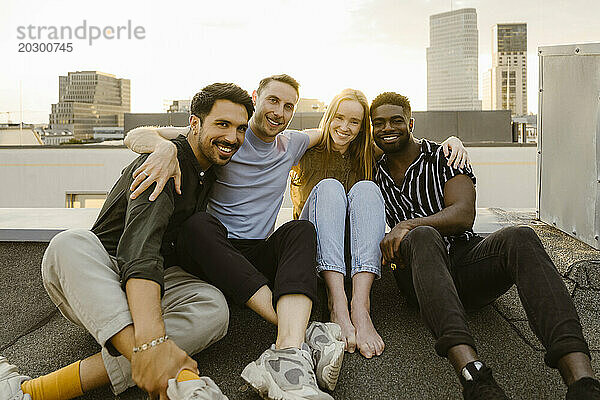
(568, 145)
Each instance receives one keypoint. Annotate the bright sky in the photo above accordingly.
(327, 45)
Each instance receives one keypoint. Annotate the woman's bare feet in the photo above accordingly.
(368, 341)
(337, 301)
(339, 314)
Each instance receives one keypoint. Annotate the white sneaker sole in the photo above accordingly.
(331, 372)
(264, 384)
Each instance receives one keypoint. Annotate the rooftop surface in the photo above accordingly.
(37, 338)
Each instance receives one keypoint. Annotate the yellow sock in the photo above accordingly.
(186, 375)
(63, 384)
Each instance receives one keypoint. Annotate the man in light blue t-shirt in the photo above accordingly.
(247, 195)
(234, 246)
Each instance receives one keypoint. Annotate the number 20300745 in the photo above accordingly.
(45, 47)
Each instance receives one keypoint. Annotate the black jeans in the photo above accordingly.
(479, 271)
(285, 261)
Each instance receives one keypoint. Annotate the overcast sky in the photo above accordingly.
(327, 45)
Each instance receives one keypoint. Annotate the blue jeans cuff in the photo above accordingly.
(367, 268)
(335, 268)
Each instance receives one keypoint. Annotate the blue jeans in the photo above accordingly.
(329, 208)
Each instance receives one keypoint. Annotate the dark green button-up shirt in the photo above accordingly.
(142, 234)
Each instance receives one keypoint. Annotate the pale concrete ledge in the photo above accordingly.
(41, 224)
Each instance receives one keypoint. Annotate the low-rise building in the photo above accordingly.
(88, 99)
(180, 106)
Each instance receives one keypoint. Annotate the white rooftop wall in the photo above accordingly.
(41, 177)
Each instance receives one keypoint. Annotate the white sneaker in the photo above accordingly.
(197, 389)
(325, 342)
(284, 375)
(10, 382)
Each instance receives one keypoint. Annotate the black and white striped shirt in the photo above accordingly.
(422, 191)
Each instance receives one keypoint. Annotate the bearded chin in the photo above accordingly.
(397, 147)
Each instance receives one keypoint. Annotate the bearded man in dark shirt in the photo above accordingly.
(120, 280)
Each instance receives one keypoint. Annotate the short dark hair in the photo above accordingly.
(205, 99)
(285, 78)
(394, 99)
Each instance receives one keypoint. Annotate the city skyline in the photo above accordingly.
(371, 45)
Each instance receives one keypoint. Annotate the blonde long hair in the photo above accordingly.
(361, 148)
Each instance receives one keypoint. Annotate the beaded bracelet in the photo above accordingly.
(151, 344)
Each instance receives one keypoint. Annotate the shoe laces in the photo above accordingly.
(304, 353)
(307, 353)
(198, 393)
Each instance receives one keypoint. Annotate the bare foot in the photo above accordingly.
(348, 332)
(368, 341)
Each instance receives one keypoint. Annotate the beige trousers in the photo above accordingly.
(82, 279)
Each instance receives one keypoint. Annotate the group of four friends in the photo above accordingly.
(191, 222)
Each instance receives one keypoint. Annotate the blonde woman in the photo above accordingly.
(332, 187)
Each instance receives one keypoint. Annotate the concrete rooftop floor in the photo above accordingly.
(37, 338)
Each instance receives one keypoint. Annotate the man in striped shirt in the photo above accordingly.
(445, 268)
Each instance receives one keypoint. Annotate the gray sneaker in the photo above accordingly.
(198, 389)
(284, 375)
(325, 341)
(10, 382)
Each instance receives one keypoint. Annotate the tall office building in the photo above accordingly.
(88, 99)
(452, 61)
(505, 84)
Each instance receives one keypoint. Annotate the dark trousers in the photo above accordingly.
(479, 271)
(285, 261)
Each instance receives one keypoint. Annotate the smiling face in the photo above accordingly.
(346, 123)
(274, 109)
(221, 134)
(391, 127)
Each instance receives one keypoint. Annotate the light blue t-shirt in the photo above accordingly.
(249, 190)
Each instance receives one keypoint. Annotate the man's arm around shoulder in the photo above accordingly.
(162, 164)
(314, 135)
(144, 139)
